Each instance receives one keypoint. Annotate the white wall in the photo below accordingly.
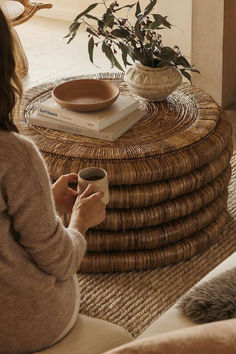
(179, 13)
(214, 49)
(205, 30)
(207, 50)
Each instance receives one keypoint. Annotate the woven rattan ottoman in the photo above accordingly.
(169, 177)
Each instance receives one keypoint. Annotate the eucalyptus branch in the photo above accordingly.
(104, 3)
(113, 42)
(139, 41)
(90, 26)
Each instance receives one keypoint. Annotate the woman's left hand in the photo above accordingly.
(64, 196)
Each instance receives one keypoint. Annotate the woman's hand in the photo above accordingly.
(64, 196)
(88, 210)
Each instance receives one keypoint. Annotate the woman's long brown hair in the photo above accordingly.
(10, 85)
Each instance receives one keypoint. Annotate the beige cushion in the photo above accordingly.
(90, 336)
(12, 9)
(212, 338)
(173, 319)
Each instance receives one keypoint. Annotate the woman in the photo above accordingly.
(39, 257)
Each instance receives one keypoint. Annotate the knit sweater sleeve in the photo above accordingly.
(55, 249)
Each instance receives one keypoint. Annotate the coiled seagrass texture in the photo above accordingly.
(168, 178)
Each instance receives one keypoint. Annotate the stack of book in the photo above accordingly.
(107, 124)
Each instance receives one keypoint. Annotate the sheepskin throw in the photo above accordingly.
(213, 300)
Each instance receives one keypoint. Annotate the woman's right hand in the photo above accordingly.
(88, 210)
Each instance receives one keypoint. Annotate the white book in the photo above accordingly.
(98, 120)
(110, 133)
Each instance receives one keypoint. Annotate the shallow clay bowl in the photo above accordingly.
(85, 95)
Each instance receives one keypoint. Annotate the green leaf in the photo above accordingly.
(110, 55)
(134, 55)
(129, 6)
(108, 20)
(138, 10)
(158, 19)
(110, 8)
(90, 48)
(72, 35)
(125, 51)
(89, 30)
(92, 17)
(167, 53)
(72, 31)
(74, 26)
(186, 74)
(108, 17)
(154, 25)
(101, 24)
(116, 63)
(120, 32)
(91, 7)
(181, 60)
(149, 8)
(195, 71)
(160, 63)
(161, 20)
(138, 32)
(107, 51)
(138, 55)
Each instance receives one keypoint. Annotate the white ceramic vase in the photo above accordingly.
(153, 84)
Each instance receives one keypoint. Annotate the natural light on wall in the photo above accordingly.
(198, 37)
(179, 14)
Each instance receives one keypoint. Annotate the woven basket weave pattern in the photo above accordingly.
(168, 175)
(149, 259)
(138, 195)
(156, 236)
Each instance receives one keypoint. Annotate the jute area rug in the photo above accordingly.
(134, 300)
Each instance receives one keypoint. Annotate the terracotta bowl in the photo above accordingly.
(85, 95)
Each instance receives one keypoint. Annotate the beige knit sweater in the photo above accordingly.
(38, 255)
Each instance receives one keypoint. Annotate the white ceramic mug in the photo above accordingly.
(95, 176)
